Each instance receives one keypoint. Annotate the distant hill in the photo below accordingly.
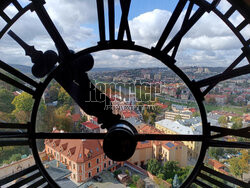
(105, 69)
(22, 68)
(27, 69)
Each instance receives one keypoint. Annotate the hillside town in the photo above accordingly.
(170, 109)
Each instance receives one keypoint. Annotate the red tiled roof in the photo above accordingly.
(147, 129)
(215, 96)
(64, 146)
(247, 117)
(90, 125)
(77, 150)
(76, 117)
(144, 144)
(224, 113)
(161, 105)
(192, 110)
(95, 119)
(129, 113)
(217, 165)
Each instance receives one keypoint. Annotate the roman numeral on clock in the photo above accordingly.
(17, 79)
(187, 24)
(124, 26)
(230, 72)
(208, 177)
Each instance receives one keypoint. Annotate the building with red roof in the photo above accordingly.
(162, 106)
(160, 150)
(125, 114)
(84, 158)
(218, 166)
(76, 117)
(90, 127)
(219, 99)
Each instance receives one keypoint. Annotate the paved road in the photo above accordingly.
(108, 181)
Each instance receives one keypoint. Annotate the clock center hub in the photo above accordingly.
(120, 143)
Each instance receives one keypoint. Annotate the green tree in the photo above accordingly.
(6, 98)
(23, 106)
(160, 175)
(177, 117)
(170, 168)
(127, 172)
(135, 178)
(196, 114)
(64, 123)
(23, 102)
(7, 117)
(237, 122)
(223, 120)
(53, 93)
(239, 165)
(146, 115)
(64, 98)
(83, 119)
(15, 157)
(216, 152)
(183, 173)
(153, 166)
(62, 110)
(152, 118)
(211, 100)
(7, 152)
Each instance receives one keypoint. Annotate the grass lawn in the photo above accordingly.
(226, 108)
(209, 107)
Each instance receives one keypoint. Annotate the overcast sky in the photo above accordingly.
(208, 43)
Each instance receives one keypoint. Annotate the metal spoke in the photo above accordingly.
(13, 135)
(43, 135)
(18, 74)
(18, 175)
(14, 126)
(139, 137)
(178, 9)
(230, 68)
(218, 143)
(16, 84)
(244, 132)
(213, 181)
(224, 76)
(13, 142)
(171, 137)
(224, 177)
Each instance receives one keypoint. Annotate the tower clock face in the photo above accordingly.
(156, 91)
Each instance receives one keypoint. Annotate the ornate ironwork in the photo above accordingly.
(29, 136)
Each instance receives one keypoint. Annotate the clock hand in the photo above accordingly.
(119, 143)
(73, 79)
(43, 62)
(85, 94)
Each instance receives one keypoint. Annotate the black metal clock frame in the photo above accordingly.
(210, 133)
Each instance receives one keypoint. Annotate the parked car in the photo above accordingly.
(97, 178)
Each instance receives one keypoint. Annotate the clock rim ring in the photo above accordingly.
(38, 97)
(137, 48)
